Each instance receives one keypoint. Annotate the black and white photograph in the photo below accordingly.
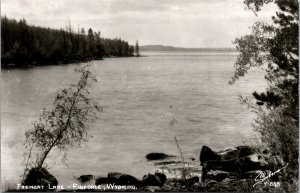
(149, 96)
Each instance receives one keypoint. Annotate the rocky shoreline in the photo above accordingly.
(232, 169)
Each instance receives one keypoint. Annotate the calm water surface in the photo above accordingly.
(136, 95)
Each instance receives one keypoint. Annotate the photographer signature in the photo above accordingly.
(263, 176)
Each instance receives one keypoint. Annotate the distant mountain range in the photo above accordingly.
(171, 48)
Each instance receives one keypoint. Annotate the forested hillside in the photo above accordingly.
(23, 45)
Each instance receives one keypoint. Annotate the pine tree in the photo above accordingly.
(274, 48)
(137, 49)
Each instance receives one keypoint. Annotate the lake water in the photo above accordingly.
(136, 95)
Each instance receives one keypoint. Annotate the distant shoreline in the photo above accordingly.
(161, 48)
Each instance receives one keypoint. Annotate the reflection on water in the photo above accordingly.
(147, 101)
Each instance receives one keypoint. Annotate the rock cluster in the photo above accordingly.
(227, 170)
(242, 162)
(157, 179)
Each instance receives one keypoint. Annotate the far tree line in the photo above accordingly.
(23, 45)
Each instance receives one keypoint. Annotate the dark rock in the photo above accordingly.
(102, 180)
(207, 154)
(212, 182)
(114, 176)
(85, 178)
(250, 174)
(157, 156)
(118, 179)
(156, 179)
(237, 162)
(220, 176)
(192, 180)
(265, 151)
(40, 177)
(228, 165)
(128, 180)
(162, 177)
(217, 175)
(260, 103)
(249, 165)
(235, 165)
(238, 152)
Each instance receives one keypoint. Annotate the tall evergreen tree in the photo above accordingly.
(137, 49)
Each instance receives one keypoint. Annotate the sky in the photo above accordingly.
(182, 23)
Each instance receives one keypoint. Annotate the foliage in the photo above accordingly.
(274, 48)
(280, 134)
(137, 49)
(185, 171)
(64, 126)
(24, 45)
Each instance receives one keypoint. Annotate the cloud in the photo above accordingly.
(189, 23)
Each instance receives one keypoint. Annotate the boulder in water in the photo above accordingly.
(118, 179)
(85, 178)
(157, 156)
(207, 154)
